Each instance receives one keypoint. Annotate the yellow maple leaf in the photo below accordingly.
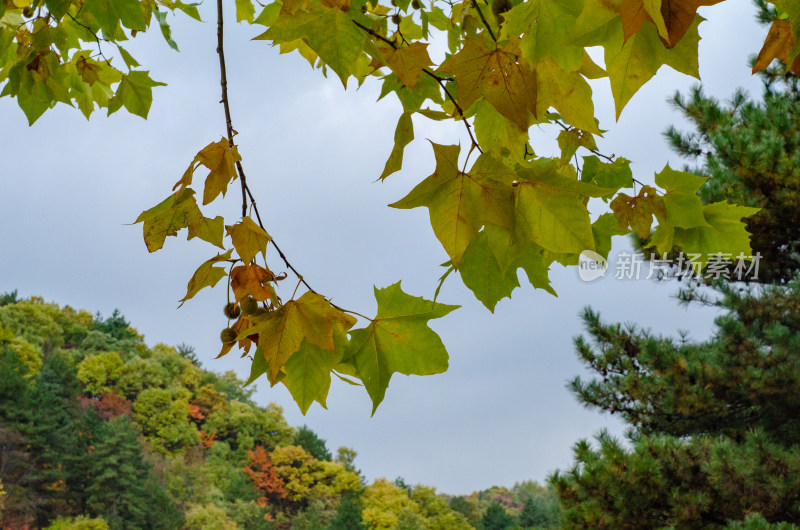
(220, 158)
(248, 239)
(500, 76)
(407, 62)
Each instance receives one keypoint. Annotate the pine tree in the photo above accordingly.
(714, 425)
(313, 444)
(348, 514)
(496, 518)
(123, 490)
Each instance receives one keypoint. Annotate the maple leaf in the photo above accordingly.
(330, 32)
(481, 273)
(220, 158)
(778, 45)
(248, 239)
(408, 62)
(673, 18)
(308, 374)
(546, 25)
(637, 212)
(460, 203)
(723, 233)
(568, 93)
(174, 213)
(252, 280)
(397, 340)
(206, 275)
(403, 135)
(682, 207)
(499, 76)
(551, 210)
(282, 332)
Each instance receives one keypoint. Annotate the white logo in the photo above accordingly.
(591, 266)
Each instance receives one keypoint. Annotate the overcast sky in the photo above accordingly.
(312, 152)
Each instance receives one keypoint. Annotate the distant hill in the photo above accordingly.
(99, 431)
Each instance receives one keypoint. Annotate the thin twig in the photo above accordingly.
(223, 82)
(438, 79)
(93, 34)
(593, 151)
(483, 19)
(246, 193)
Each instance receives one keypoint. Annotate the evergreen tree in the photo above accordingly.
(715, 425)
(313, 444)
(348, 513)
(53, 421)
(496, 518)
(123, 490)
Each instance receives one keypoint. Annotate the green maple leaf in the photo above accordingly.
(110, 13)
(482, 274)
(546, 25)
(206, 275)
(551, 210)
(683, 207)
(174, 213)
(616, 174)
(329, 32)
(725, 232)
(308, 374)
(398, 340)
(460, 203)
(135, 92)
(403, 135)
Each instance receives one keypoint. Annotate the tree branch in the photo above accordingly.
(246, 193)
(483, 19)
(438, 79)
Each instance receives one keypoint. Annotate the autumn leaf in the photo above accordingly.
(328, 31)
(673, 18)
(248, 239)
(252, 280)
(220, 158)
(206, 275)
(174, 213)
(500, 76)
(460, 203)
(778, 45)
(407, 62)
(637, 212)
(397, 340)
(282, 332)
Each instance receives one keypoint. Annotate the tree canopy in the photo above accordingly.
(509, 65)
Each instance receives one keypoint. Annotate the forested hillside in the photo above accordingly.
(99, 430)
